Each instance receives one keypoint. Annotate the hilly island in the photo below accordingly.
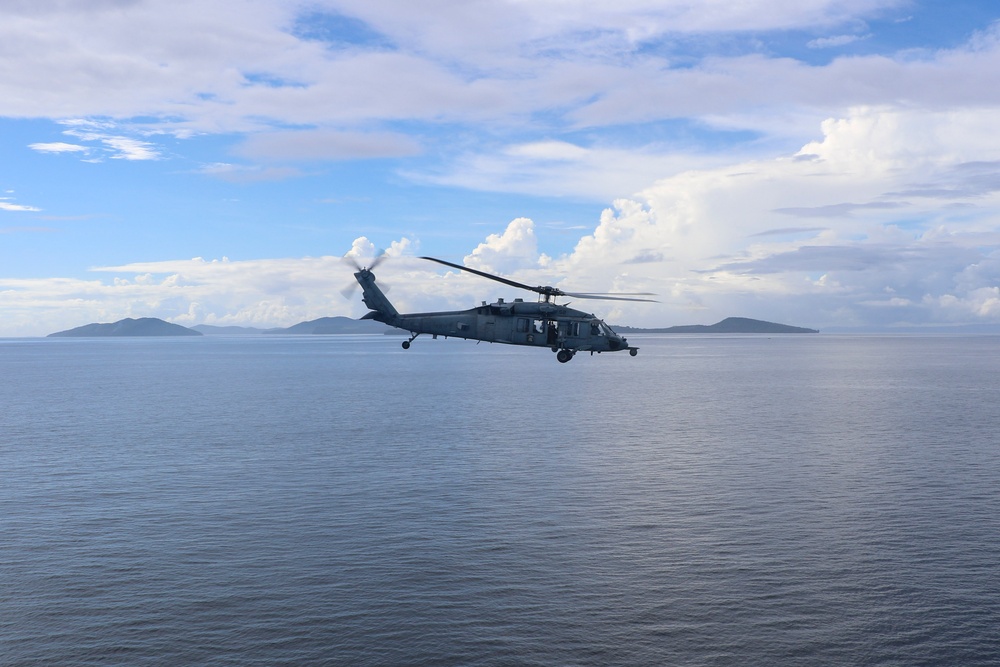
(144, 326)
(730, 325)
(151, 326)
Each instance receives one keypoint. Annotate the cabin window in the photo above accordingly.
(522, 325)
(573, 329)
(538, 326)
(595, 329)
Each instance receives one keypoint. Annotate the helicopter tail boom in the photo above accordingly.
(374, 298)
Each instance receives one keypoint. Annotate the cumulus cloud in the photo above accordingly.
(722, 228)
(516, 247)
(262, 293)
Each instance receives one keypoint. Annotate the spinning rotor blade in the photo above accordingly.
(353, 261)
(348, 292)
(486, 275)
(549, 291)
(612, 296)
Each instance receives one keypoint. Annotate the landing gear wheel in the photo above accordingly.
(406, 345)
(563, 356)
(633, 351)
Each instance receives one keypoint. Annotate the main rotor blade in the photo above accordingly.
(613, 296)
(551, 291)
(505, 281)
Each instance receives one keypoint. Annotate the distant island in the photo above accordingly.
(334, 325)
(144, 326)
(730, 325)
(322, 327)
(151, 326)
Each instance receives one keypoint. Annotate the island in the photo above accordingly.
(730, 325)
(143, 326)
(333, 325)
(151, 326)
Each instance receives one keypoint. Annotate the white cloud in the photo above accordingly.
(728, 249)
(263, 292)
(58, 147)
(237, 173)
(107, 143)
(516, 247)
(326, 145)
(449, 28)
(563, 169)
(833, 42)
(131, 149)
(6, 205)
(251, 292)
(236, 67)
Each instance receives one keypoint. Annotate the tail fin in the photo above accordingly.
(383, 311)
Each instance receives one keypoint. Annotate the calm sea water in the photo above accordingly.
(797, 500)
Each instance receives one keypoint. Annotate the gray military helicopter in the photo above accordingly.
(543, 324)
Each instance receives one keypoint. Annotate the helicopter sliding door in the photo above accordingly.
(529, 331)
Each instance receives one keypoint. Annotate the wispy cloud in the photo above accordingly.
(25, 230)
(58, 147)
(309, 145)
(130, 149)
(105, 143)
(7, 205)
(837, 210)
(835, 41)
(236, 173)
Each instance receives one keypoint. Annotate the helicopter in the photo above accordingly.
(544, 323)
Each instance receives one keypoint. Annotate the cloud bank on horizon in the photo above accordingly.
(821, 163)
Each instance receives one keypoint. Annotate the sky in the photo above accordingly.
(821, 163)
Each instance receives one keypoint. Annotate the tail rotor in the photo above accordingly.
(380, 256)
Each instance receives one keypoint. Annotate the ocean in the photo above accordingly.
(335, 500)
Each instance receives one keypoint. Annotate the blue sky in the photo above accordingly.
(820, 162)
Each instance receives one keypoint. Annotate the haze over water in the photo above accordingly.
(336, 500)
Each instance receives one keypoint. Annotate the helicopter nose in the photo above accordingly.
(616, 343)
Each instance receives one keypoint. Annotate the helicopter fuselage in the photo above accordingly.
(563, 329)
